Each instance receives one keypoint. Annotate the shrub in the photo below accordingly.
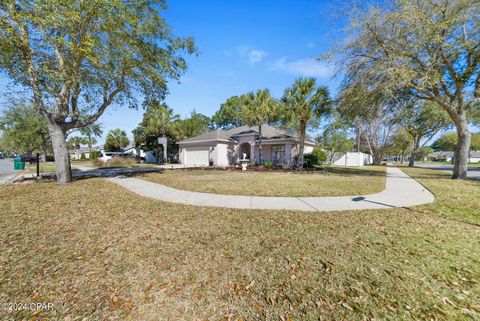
(121, 162)
(97, 163)
(310, 160)
(268, 164)
(82, 156)
(321, 154)
(95, 154)
(317, 157)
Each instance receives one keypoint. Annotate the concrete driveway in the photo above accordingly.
(6, 170)
(473, 172)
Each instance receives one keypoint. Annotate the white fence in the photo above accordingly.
(354, 159)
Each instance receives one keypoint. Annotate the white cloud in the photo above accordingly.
(251, 54)
(303, 67)
(255, 56)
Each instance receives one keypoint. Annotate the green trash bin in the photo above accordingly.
(18, 165)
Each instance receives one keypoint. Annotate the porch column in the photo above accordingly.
(252, 152)
(288, 154)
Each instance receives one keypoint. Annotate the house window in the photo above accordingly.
(278, 154)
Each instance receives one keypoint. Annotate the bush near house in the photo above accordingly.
(268, 164)
(95, 154)
(315, 158)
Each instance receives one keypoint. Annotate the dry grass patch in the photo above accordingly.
(48, 167)
(99, 252)
(333, 181)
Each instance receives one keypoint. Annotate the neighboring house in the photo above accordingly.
(474, 157)
(227, 147)
(354, 159)
(439, 156)
(148, 156)
(77, 153)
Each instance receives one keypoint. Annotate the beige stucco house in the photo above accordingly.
(226, 147)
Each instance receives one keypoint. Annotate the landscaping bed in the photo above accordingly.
(327, 181)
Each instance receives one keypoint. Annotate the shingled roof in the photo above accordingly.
(268, 132)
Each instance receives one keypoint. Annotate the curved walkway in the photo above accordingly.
(401, 191)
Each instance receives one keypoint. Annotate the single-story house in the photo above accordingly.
(474, 156)
(77, 153)
(134, 151)
(446, 156)
(227, 147)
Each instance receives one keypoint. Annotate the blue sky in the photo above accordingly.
(243, 46)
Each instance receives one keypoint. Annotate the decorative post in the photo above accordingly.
(38, 164)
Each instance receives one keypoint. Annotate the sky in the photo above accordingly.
(243, 46)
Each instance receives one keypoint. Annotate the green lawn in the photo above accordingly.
(48, 167)
(99, 252)
(331, 182)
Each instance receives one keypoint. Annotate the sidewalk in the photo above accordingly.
(401, 191)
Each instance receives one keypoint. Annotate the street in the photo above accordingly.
(6, 170)
(473, 172)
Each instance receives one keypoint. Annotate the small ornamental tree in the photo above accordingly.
(79, 57)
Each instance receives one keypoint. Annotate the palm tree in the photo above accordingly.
(157, 121)
(259, 108)
(90, 132)
(116, 140)
(75, 142)
(304, 102)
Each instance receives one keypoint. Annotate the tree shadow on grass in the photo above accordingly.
(114, 172)
(353, 171)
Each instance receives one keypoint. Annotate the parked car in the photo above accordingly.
(105, 156)
(27, 158)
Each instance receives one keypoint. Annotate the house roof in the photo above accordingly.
(442, 153)
(268, 133)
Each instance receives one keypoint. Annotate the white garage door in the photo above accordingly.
(196, 157)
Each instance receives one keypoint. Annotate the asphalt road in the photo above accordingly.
(6, 169)
(473, 172)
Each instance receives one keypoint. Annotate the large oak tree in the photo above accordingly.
(79, 57)
(430, 48)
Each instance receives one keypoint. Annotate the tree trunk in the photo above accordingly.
(60, 151)
(358, 134)
(260, 144)
(403, 157)
(416, 148)
(157, 158)
(303, 128)
(462, 150)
